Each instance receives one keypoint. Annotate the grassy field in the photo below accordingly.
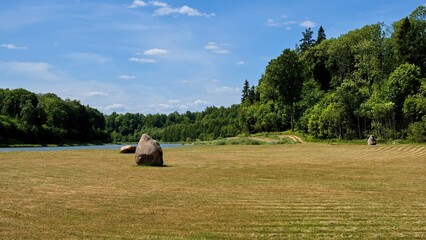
(308, 190)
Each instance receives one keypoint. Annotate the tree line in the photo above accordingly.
(26, 117)
(368, 81)
(210, 124)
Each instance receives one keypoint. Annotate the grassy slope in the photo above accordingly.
(306, 190)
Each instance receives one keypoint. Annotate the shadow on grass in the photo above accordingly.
(149, 166)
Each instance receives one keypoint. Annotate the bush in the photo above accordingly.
(417, 131)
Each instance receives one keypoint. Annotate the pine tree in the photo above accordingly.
(321, 35)
(246, 91)
(307, 42)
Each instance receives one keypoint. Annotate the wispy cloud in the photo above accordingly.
(288, 23)
(142, 60)
(127, 77)
(41, 70)
(137, 3)
(176, 104)
(156, 51)
(158, 4)
(163, 9)
(184, 10)
(25, 15)
(223, 90)
(116, 107)
(217, 48)
(241, 62)
(277, 23)
(96, 94)
(88, 57)
(308, 24)
(12, 46)
(187, 81)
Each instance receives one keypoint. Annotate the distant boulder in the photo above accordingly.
(371, 140)
(128, 149)
(148, 152)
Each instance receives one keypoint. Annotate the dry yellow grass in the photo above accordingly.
(217, 192)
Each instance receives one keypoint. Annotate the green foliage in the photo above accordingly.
(307, 41)
(30, 118)
(415, 105)
(417, 131)
(368, 81)
(212, 123)
(283, 81)
(321, 36)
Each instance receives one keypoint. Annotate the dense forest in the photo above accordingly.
(26, 117)
(370, 80)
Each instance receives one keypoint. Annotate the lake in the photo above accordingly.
(89, 147)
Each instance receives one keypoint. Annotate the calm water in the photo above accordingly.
(106, 147)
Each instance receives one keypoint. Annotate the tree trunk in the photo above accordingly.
(393, 127)
(359, 128)
(292, 117)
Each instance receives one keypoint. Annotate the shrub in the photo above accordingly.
(417, 131)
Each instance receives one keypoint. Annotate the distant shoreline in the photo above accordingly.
(110, 146)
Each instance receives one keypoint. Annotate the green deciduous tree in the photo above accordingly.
(283, 81)
(403, 82)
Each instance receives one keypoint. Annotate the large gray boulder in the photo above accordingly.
(148, 152)
(371, 140)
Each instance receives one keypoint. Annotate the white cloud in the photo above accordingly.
(217, 48)
(96, 94)
(12, 46)
(88, 57)
(156, 51)
(158, 4)
(137, 3)
(142, 60)
(274, 23)
(223, 90)
(201, 103)
(184, 10)
(174, 101)
(241, 62)
(186, 81)
(39, 70)
(178, 105)
(307, 24)
(163, 9)
(126, 77)
(287, 24)
(116, 107)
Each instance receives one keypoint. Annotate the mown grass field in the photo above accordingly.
(294, 191)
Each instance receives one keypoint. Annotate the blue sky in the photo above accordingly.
(163, 56)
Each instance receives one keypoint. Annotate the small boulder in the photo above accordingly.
(371, 140)
(128, 149)
(148, 152)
